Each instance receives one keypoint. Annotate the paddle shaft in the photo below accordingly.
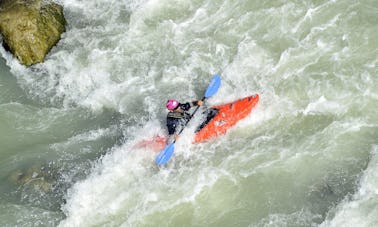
(167, 153)
(191, 116)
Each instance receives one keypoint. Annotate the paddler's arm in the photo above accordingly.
(188, 105)
(197, 103)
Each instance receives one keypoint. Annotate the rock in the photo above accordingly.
(37, 177)
(30, 28)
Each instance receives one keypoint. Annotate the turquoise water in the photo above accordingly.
(306, 156)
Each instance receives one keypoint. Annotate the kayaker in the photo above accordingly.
(178, 116)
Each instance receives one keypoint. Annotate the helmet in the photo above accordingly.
(172, 104)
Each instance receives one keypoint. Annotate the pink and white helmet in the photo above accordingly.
(172, 104)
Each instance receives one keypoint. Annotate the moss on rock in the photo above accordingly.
(30, 28)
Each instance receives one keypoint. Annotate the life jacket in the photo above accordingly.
(176, 120)
(176, 115)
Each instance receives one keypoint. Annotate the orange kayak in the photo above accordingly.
(227, 115)
(219, 119)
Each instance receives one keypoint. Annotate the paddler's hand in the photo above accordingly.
(176, 137)
(199, 103)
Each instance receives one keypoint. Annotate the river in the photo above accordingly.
(306, 156)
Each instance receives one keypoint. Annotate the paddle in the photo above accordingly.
(164, 155)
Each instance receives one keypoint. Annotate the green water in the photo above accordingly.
(44, 149)
(306, 156)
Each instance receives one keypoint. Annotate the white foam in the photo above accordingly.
(131, 56)
(126, 186)
(362, 209)
(322, 105)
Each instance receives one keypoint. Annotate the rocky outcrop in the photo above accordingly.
(37, 177)
(30, 28)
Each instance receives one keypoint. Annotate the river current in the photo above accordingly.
(306, 156)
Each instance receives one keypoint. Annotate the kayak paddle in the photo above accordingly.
(164, 155)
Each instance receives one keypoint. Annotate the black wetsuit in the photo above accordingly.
(177, 120)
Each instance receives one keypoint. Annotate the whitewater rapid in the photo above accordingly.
(306, 156)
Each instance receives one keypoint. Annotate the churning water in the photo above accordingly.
(306, 156)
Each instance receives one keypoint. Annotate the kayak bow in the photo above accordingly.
(226, 117)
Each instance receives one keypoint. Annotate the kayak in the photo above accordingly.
(225, 117)
(218, 119)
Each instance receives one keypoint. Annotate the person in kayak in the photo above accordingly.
(178, 116)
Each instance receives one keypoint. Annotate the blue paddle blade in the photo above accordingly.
(213, 86)
(165, 154)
